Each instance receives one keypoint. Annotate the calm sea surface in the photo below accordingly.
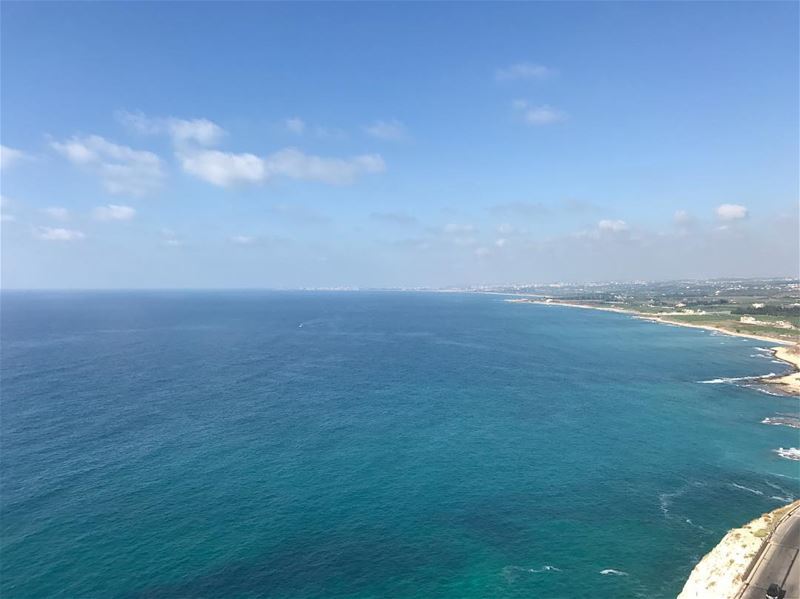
(330, 445)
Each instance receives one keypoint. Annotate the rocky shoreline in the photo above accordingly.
(722, 571)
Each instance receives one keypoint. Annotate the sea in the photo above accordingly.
(304, 444)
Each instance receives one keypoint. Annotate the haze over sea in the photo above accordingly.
(309, 444)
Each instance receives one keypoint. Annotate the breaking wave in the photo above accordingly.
(736, 379)
(790, 453)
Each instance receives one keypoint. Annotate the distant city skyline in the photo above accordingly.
(277, 145)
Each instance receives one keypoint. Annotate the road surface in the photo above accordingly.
(779, 562)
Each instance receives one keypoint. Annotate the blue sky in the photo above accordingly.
(355, 144)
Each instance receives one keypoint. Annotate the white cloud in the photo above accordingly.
(201, 131)
(224, 168)
(243, 240)
(123, 170)
(57, 234)
(614, 226)
(481, 252)
(173, 243)
(392, 130)
(523, 70)
(56, 212)
(501, 242)
(10, 156)
(229, 168)
(538, 115)
(295, 125)
(729, 212)
(113, 212)
(182, 131)
(297, 165)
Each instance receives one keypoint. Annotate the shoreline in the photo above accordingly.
(726, 570)
(786, 351)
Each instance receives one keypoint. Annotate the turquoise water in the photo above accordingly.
(362, 445)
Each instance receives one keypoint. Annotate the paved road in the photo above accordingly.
(779, 563)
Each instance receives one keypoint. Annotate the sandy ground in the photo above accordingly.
(791, 382)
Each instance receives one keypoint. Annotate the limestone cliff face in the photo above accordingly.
(719, 573)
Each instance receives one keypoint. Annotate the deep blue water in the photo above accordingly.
(201, 444)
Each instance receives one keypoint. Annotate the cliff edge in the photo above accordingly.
(721, 572)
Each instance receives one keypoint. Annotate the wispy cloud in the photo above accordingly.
(523, 70)
(295, 164)
(614, 226)
(520, 209)
(225, 169)
(10, 156)
(392, 130)
(394, 218)
(182, 131)
(243, 240)
(731, 212)
(170, 239)
(122, 170)
(538, 115)
(682, 218)
(295, 125)
(113, 212)
(57, 234)
(459, 228)
(56, 212)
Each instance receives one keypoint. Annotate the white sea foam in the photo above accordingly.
(736, 379)
(768, 392)
(748, 489)
(790, 453)
(510, 570)
(782, 499)
(545, 568)
(790, 421)
(612, 572)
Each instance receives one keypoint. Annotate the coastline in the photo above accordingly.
(784, 351)
(723, 571)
